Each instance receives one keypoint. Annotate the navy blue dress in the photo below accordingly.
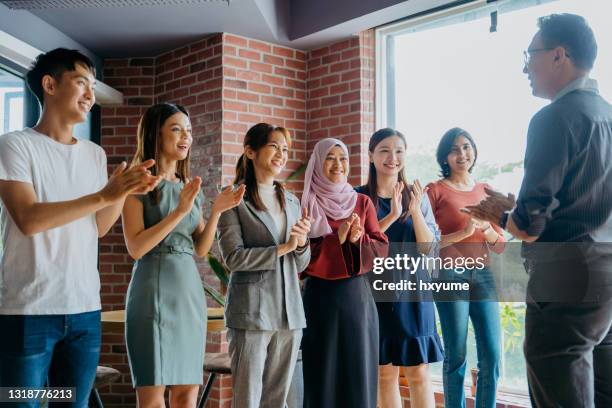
(407, 323)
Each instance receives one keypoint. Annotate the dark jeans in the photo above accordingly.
(56, 350)
(568, 333)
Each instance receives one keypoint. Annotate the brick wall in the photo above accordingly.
(135, 78)
(262, 82)
(340, 100)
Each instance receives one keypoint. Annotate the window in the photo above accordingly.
(12, 89)
(447, 69)
(12, 113)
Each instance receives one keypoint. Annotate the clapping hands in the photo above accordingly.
(299, 231)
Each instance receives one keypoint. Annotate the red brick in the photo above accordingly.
(352, 118)
(330, 79)
(283, 52)
(353, 53)
(331, 58)
(299, 65)
(340, 66)
(292, 83)
(339, 46)
(330, 122)
(232, 39)
(252, 55)
(352, 96)
(271, 59)
(284, 113)
(350, 75)
(235, 84)
(317, 93)
(339, 110)
(260, 67)
(235, 106)
(278, 91)
(319, 113)
(272, 80)
(257, 87)
(229, 50)
(261, 46)
(331, 100)
(295, 124)
(319, 52)
(338, 89)
(248, 118)
(284, 72)
(319, 134)
(248, 75)
(296, 104)
(313, 63)
(234, 62)
(271, 100)
(318, 72)
(246, 96)
(260, 109)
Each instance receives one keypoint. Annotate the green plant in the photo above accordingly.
(511, 325)
(222, 273)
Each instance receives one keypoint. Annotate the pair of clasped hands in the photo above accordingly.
(350, 228)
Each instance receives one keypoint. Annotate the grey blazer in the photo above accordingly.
(264, 292)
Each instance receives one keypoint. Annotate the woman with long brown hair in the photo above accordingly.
(166, 306)
(264, 243)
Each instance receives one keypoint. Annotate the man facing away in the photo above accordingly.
(56, 203)
(564, 216)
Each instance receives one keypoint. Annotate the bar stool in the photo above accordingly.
(104, 376)
(214, 364)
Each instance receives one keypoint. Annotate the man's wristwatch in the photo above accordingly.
(503, 220)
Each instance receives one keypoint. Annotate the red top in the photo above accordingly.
(331, 260)
(446, 203)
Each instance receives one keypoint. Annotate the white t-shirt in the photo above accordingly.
(51, 272)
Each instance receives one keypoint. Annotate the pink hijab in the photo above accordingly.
(322, 197)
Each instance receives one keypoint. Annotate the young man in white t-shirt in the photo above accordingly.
(56, 203)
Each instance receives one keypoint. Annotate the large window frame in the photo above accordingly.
(385, 38)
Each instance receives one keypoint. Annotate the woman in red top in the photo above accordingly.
(340, 343)
(464, 238)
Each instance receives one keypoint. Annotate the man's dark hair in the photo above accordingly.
(573, 33)
(54, 63)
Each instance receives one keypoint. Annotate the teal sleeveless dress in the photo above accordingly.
(166, 318)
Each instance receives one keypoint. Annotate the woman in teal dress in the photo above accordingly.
(166, 306)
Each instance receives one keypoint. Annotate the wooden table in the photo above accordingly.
(115, 320)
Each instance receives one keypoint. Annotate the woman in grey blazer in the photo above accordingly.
(264, 243)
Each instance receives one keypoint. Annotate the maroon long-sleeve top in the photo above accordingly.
(331, 260)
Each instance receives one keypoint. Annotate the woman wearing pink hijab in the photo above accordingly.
(340, 343)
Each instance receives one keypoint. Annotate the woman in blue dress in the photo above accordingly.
(408, 337)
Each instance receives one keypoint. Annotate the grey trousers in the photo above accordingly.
(568, 344)
(262, 366)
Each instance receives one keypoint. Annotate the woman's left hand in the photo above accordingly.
(417, 192)
(228, 199)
